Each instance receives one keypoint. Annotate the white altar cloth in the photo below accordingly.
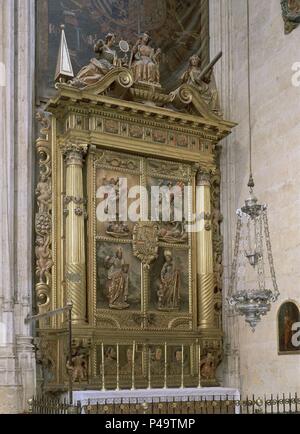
(154, 395)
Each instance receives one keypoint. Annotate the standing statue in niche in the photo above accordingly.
(43, 193)
(44, 261)
(117, 280)
(193, 76)
(145, 61)
(99, 66)
(169, 287)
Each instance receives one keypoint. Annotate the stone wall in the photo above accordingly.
(252, 358)
(17, 371)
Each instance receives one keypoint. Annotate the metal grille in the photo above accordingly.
(274, 404)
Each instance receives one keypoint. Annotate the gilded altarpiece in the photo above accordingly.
(146, 294)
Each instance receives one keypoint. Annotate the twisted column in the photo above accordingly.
(205, 269)
(75, 276)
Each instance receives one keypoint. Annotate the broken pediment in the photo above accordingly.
(135, 77)
(119, 83)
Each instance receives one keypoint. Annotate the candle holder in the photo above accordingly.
(103, 369)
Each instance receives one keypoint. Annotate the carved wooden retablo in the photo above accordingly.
(146, 293)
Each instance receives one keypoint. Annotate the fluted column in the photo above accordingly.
(75, 276)
(205, 270)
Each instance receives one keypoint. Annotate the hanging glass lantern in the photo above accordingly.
(251, 292)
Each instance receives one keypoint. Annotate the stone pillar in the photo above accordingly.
(17, 362)
(205, 269)
(75, 234)
(222, 37)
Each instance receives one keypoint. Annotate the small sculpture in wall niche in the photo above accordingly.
(117, 280)
(145, 61)
(193, 76)
(99, 66)
(169, 287)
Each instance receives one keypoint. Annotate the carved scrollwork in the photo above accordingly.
(43, 217)
(125, 79)
(217, 238)
(145, 242)
(168, 169)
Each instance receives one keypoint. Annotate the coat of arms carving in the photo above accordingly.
(145, 242)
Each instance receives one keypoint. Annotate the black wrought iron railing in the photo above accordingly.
(273, 404)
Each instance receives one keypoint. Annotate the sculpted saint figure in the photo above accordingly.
(78, 367)
(43, 193)
(145, 64)
(192, 76)
(157, 362)
(110, 361)
(99, 66)
(208, 367)
(44, 261)
(117, 278)
(176, 365)
(127, 368)
(168, 290)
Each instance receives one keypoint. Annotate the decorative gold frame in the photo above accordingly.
(285, 353)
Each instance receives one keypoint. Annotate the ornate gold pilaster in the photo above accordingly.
(75, 276)
(205, 268)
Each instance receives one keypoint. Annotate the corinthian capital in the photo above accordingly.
(204, 177)
(74, 152)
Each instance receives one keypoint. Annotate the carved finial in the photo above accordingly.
(64, 69)
(251, 182)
